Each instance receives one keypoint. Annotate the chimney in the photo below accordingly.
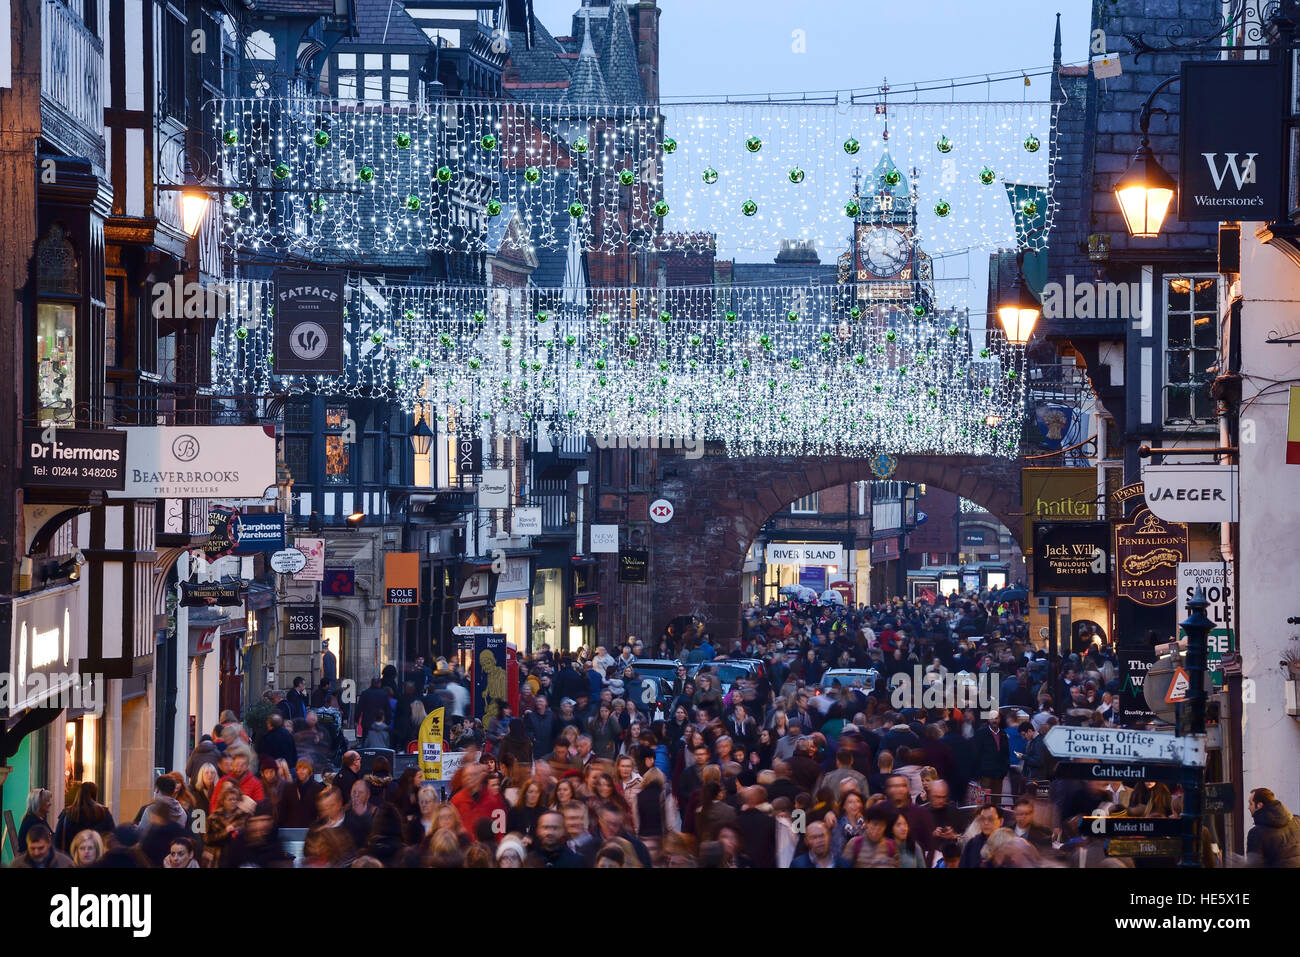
(645, 29)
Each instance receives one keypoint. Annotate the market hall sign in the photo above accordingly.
(308, 323)
(1147, 553)
(1071, 558)
(74, 459)
(1231, 153)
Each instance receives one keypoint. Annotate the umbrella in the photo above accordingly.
(1013, 594)
(790, 590)
(807, 594)
(831, 596)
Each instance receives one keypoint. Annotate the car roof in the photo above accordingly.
(657, 661)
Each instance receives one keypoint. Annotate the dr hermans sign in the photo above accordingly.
(1231, 161)
(74, 459)
(1147, 553)
(308, 323)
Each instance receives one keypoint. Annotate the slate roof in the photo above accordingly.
(385, 22)
(302, 8)
(549, 73)
(588, 84)
(763, 274)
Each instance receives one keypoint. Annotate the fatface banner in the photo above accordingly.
(1147, 553)
(1231, 155)
(308, 323)
(74, 459)
(198, 461)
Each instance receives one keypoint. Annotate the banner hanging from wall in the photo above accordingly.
(198, 461)
(1192, 493)
(1231, 155)
(308, 323)
(1071, 558)
(401, 578)
(74, 459)
(1147, 553)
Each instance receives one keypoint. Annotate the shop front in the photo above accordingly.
(514, 590)
(809, 566)
(585, 609)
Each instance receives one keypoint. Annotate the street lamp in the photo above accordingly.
(421, 437)
(1145, 190)
(1019, 311)
(194, 201)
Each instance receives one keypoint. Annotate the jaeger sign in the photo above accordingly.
(1231, 159)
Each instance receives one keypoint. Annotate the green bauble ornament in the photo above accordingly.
(444, 174)
(493, 208)
(238, 200)
(710, 175)
(1032, 143)
(987, 176)
(851, 208)
(1029, 208)
(891, 336)
(505, 342)
(731, 317)
(855, 312)
(753, 144)
(318, 204)
(445, 340)
(580, 145)
(943, 145)
(366, 174)
(543, 316)
(795, 364)
(695, 340)
(942, 208)
(661, 209)
(953, 332)
(765, 341)
(377, 338)
(795, 175)
(604, 319)
(475, 363)
(321, 139)
(749, 207)
(532, 174)
(918, 310)
(281, 171)
(413, 202)
(893, 177)
(230, 137)
(576, 209)
(627, 177)
(665, 316)
(479, 317)
(1011, 373)
(851, 146)
(633, 339)
(744, 363)
(860, 359)
(792, 316)
(488, 141)
(570, 339)
(408, 315)
(670, 145)
(241, 332)
(403, 141)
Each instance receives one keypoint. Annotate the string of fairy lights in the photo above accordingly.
(376, 176)
(761, 369)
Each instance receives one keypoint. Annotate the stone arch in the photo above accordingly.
(349, 666)
(721, 504)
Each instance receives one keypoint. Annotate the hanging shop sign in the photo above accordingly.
(491, 679)
(526, 521)
(313, 549)
(514, 582)
(1058, 495)
(44, 646)
(74, 459)
(633, 566)
(339, 582)
(809, 553)
(259, 532)
(661, 511)
(469, 456)
(1231, 153)
(1215, 578)
(1147, 553)
(1192, 493)
(288, 561)
(402, 578)
(494, 489)
(308, 323)
(604, 539)
(223, 533)
(1071, 558)
(302, 622)
(198, 461)
(475, 590)
(223, 593)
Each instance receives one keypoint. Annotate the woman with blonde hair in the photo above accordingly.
(87, 848)
(448, 819)
(205, 781)
(224, 823)
(444, 850)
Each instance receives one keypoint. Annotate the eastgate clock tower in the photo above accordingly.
(884, 257)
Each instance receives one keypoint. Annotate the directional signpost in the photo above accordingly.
(1145, 846)
(1126, 827)
(1122, 744)
(1121, 771)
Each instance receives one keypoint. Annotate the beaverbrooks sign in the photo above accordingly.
(218, 461)
(1232, 155)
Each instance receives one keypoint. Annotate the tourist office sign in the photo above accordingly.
(1121, 744)
(1147, 553)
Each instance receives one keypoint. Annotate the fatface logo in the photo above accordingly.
(185, 448)
(1242, 173)
(308, 341)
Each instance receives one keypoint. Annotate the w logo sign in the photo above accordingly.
(1242, 173)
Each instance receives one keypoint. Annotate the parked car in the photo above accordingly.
(864, 678)
(729, 670)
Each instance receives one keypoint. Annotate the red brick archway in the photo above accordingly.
(721, 504)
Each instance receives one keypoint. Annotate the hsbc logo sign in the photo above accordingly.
(662, 510)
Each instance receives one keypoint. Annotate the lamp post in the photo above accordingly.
(1146, 190)
(1191, 723)
(1020, 310)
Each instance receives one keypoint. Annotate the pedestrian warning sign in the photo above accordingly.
(1178, 688)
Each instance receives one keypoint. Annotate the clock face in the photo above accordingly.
(885, 251)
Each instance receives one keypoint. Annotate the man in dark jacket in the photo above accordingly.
(298, 699)
(298, 801)
(374, 698)
(277, 743)
(992, 754)
(539, 724)
(551, 848)
(1274, 841)
(757, 829)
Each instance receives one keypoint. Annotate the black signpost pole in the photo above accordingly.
(1191, 721)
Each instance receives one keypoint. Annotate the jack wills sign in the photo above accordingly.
(1232, 158)
(308, 323)
(1071, 558)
